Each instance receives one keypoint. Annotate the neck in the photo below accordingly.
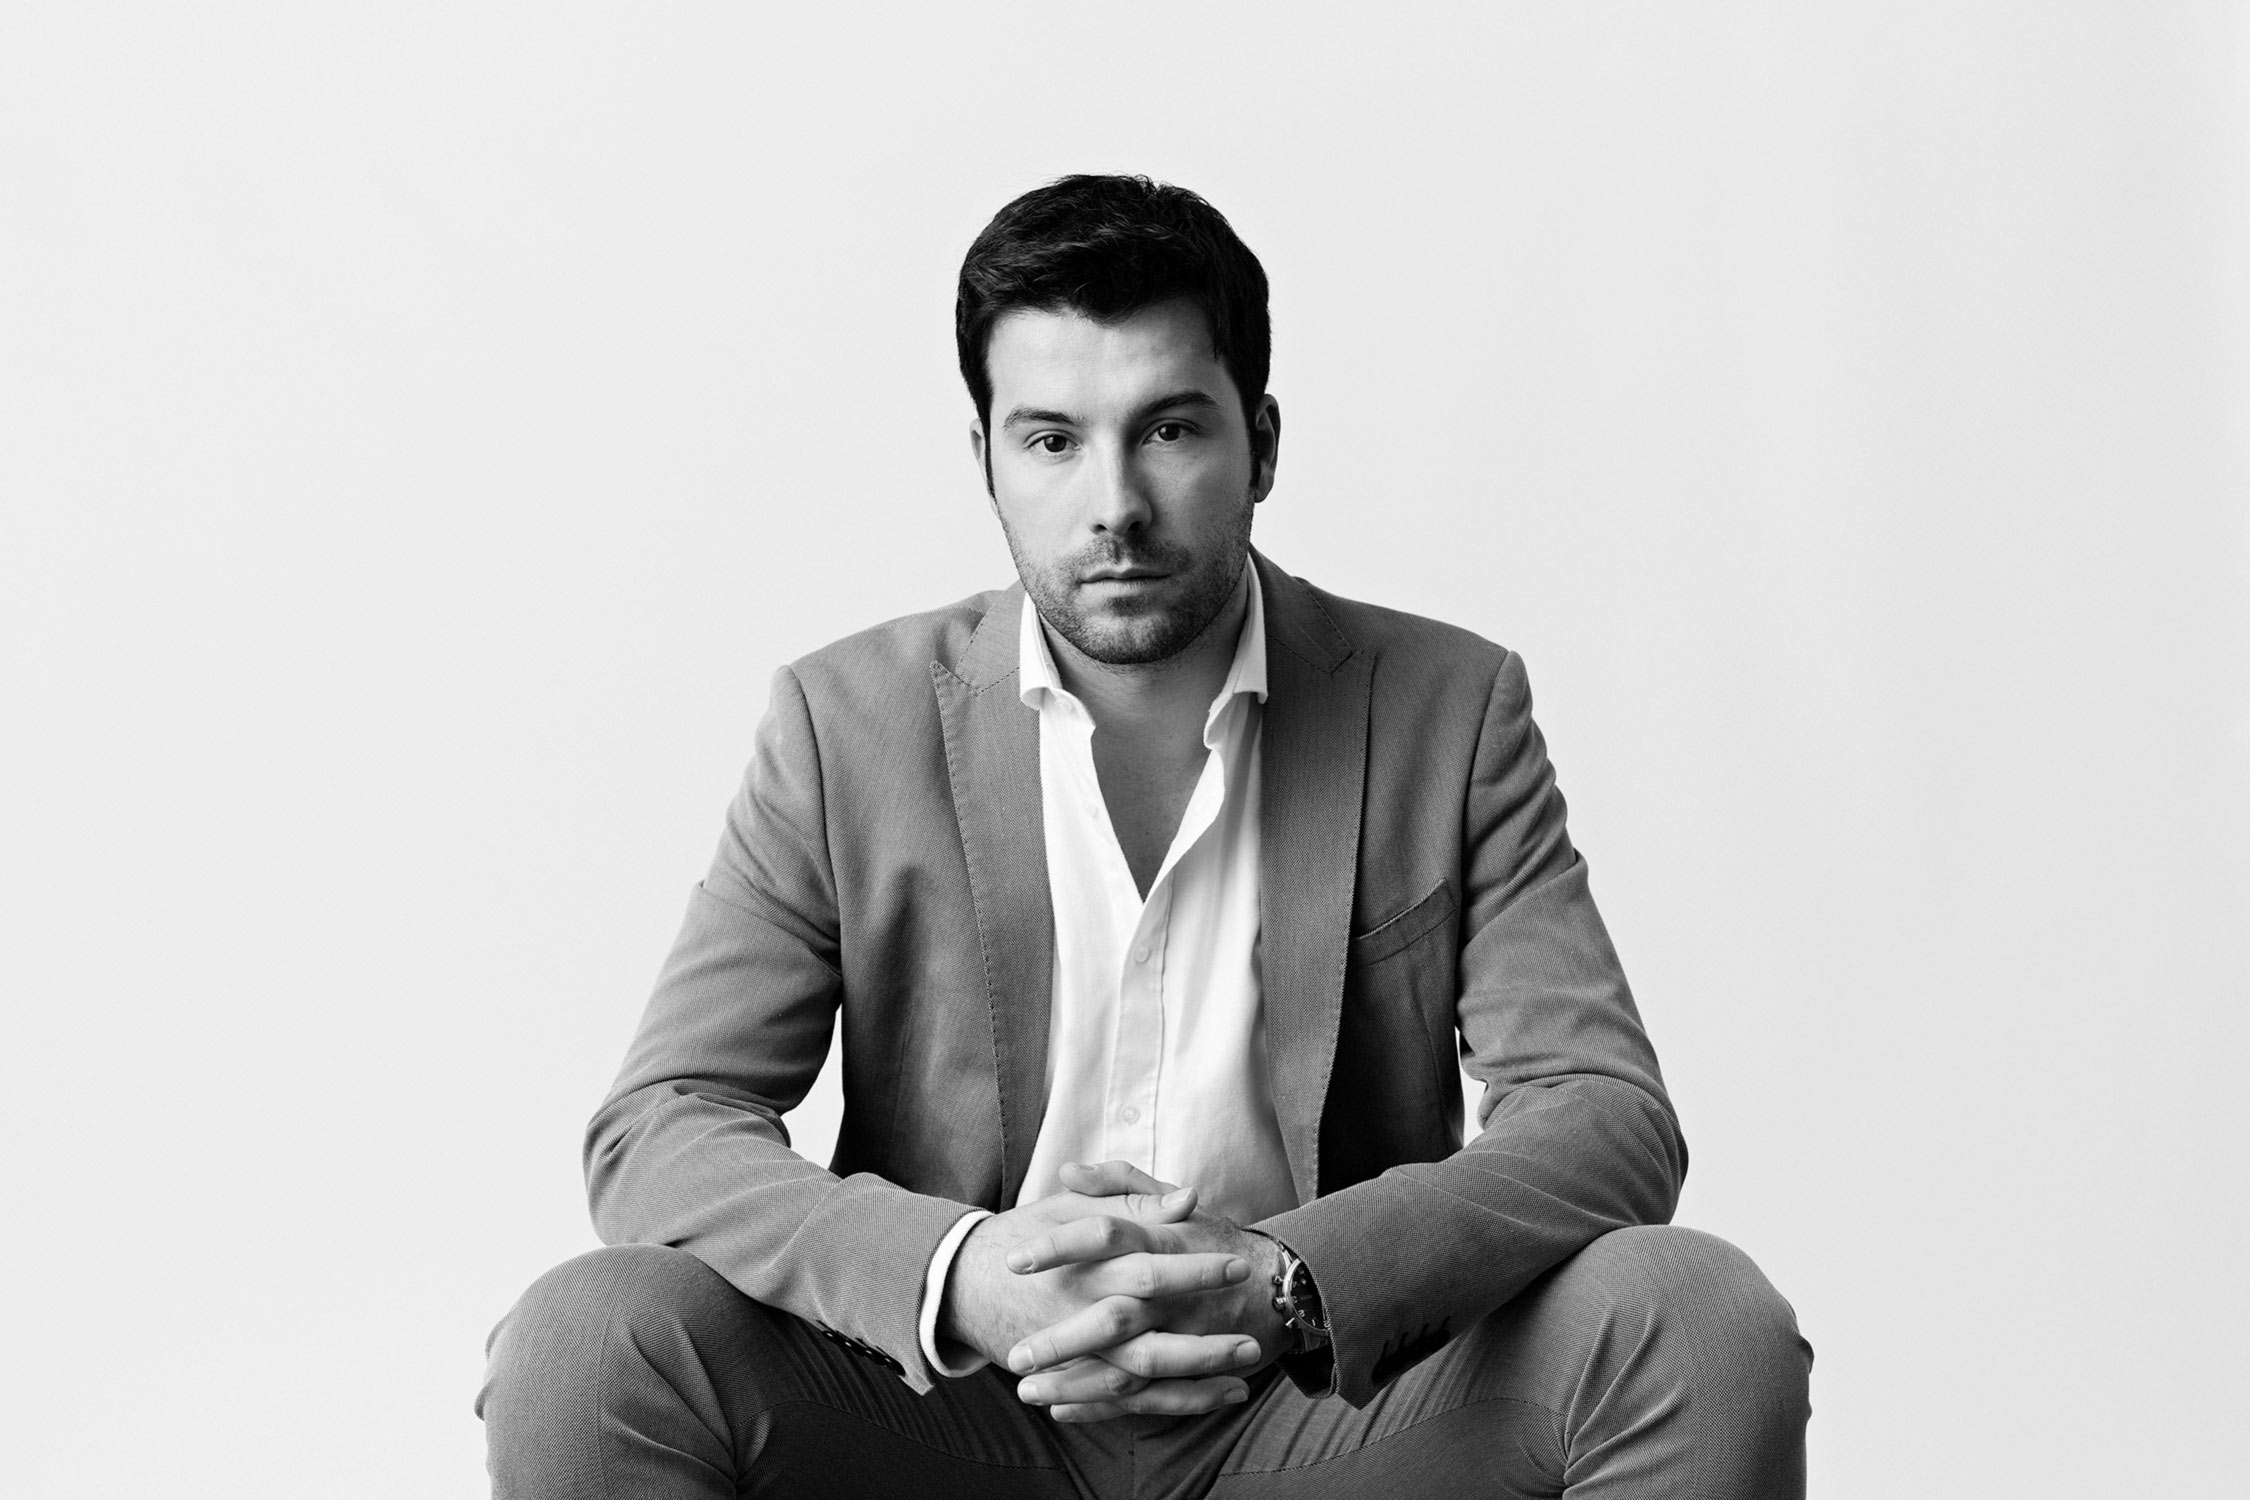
(1175, 692)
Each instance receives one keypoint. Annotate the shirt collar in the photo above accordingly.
(1035, 666)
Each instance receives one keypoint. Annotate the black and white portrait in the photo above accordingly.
(1244, 751)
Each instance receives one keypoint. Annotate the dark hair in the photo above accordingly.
(1109, 247)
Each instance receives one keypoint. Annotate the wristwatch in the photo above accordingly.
(1298, 1300)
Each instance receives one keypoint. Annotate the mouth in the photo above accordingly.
(1122, 575)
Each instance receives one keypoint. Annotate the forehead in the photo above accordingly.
(1060, 357)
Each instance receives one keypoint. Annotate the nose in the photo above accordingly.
(1120, 501)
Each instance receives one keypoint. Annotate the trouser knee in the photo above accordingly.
(621, 1370)
(1703, 1303)
(570, 1321)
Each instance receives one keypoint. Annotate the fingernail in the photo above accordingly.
(1236, 1395)
(1247, 1351)
(1019, 1260)
(1176, 1197)
(1019, 1360)
(1237, 1269)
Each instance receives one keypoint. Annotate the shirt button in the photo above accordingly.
(1140, 954)
(1130, 1115)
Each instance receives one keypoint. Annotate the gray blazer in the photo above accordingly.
(885, 862)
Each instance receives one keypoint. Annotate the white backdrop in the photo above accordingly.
(424, 428)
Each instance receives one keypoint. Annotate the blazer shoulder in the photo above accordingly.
(871, 665)
(1397, 641)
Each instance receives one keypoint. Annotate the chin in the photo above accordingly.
(1138, 641)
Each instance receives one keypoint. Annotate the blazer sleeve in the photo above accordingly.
(1578, 1137)
(689, 1150)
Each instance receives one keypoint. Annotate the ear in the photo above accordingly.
(983, 460)
(1265, 447)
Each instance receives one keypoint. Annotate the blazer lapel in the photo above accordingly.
(992, 758)
(1312, 769)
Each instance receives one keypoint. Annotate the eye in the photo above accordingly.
(1169, 432)
(1051, 442)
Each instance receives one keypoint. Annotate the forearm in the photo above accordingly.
(673, 1165)
(1407, 1259)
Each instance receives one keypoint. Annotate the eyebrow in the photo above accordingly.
(1191, 400)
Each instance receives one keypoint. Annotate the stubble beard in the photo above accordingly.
(1146, 639)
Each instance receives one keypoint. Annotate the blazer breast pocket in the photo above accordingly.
(1395, 935)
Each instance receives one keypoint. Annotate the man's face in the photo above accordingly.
(1124, 473)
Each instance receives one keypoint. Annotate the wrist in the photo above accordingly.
(944, 1353)
(963, 1314)
(1272, 1266)
(1260, 1320)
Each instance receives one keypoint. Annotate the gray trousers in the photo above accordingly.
(1655, 1362)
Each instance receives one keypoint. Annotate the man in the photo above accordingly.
(1159, 867)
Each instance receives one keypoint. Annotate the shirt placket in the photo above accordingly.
(1139, 1043)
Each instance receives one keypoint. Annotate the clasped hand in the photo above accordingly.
(1116, 1296)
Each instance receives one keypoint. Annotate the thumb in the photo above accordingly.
(1148, 1199)
(1104, 1179)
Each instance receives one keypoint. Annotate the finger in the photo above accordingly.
(1172, 1398)
(1126, 1260)
(1158, 1355)
(1109, 1321)
(1100, 1237)
(1087, 1411)
(1115, 1321)
(1102, 1179)
(1078, 1381)
(1149, 1277)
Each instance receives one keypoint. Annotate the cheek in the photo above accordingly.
(1034, 524)
(1221, 500)
(1203, 488)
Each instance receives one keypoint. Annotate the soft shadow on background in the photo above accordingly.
(423, 430)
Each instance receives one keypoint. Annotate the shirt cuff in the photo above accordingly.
(965, 1361)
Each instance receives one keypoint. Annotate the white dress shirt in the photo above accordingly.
(1156, 1031)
